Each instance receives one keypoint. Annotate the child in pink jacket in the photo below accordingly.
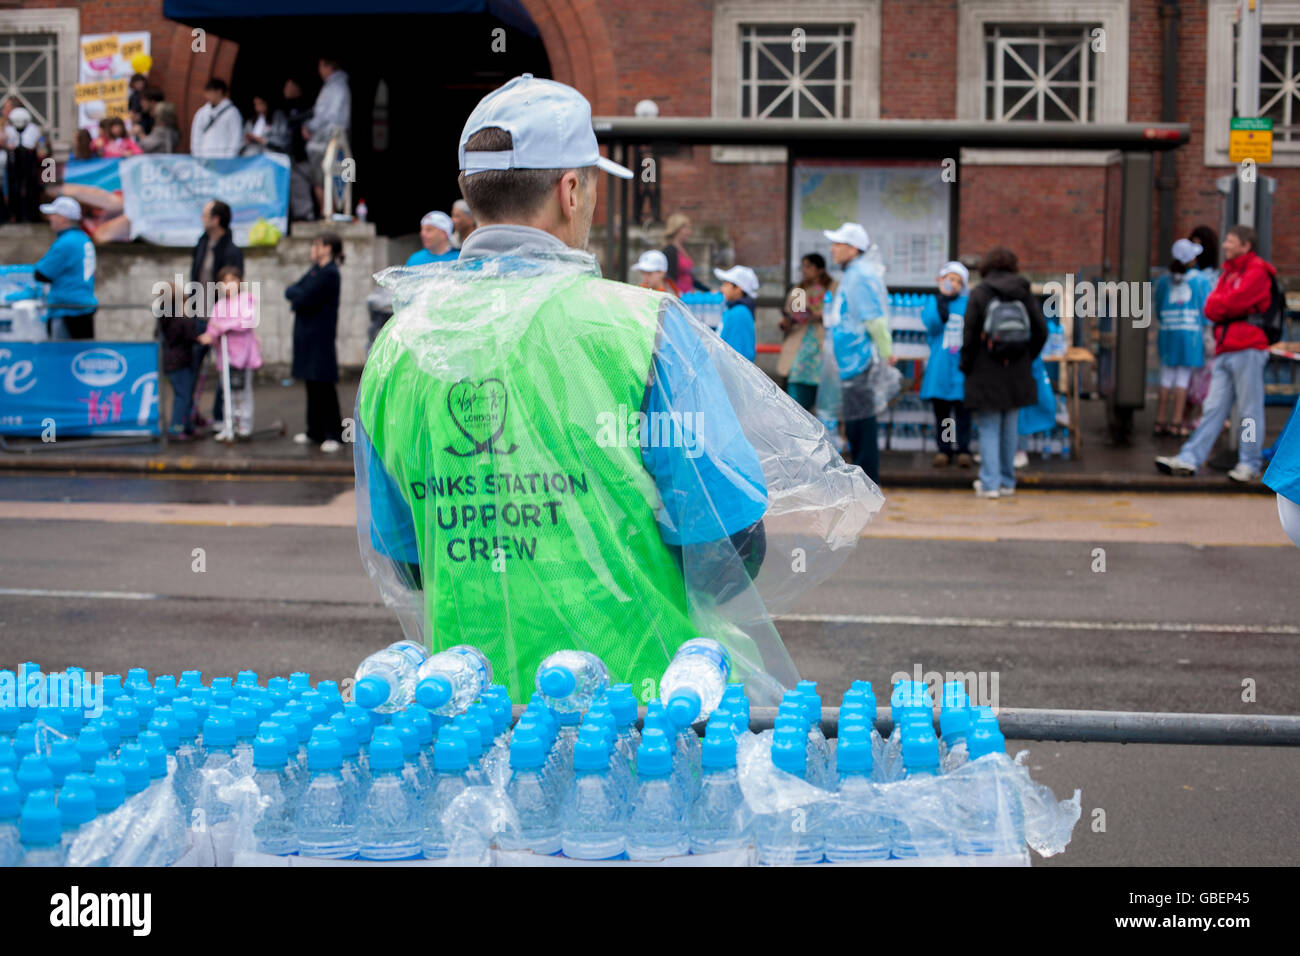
(234, 315)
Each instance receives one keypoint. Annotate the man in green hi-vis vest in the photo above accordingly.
(547, 459)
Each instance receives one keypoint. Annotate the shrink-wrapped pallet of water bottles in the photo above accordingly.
(427, 763)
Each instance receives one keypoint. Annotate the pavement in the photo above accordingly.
(281, 411)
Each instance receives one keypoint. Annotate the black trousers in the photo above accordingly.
(80, 326)
(861, 433)
(943, 410)
(323, 419)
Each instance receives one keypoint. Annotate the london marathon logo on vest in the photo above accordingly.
(479, 411)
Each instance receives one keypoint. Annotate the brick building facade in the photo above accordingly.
(902, 59)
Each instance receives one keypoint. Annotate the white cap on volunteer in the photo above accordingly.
(957, 268)
(549, 126)
(63, 206)
(1186, 250)
(439, 220)
(742, 276)
(652, 260)
(850, 233)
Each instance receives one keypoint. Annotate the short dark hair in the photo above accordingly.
(335, 244)
(222, 212)
(497, 195)
(329, 60)
(231, 270)
(1246, 234)
(816, 260)
(999, 259)
(154, 93)
(138, 76)
(218, 84)
(1209, 240)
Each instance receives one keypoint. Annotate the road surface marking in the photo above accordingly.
(907, 620)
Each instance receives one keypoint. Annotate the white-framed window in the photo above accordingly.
(1041, 72)
(788, 71)
(1042, 60)
(773, 59)
(38, 64)
(1279, 78)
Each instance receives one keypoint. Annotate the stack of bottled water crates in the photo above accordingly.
(137, 772)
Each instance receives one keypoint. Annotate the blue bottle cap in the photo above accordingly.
(270, 749)
(109, 784)
(983, 741)
(301, 718)
(622, 703)
(77, 799)
(261, 701)
(245, 717)
(568, 717)
(683, 707)
(361, 721)
(222, 684)
(556, 682)
(473, 739)
(370, 692)
(482, 716)
(853, 753)
(954, 722)
(954, 695)
(127, 716)
(299, 681)
(526, 750)
(346, 733)
(246, 679)
(434, 691)
(718, 752)
(25, 738)
(34, 774)
(920, 749)
(219, 728)
(591, 751)
(449, 753)
(136, 675)
(11, 795)
(164, 686)
(111, 688)
(155, 752)
(423, 721)
(790, 750)
(8, 758)
(386, 751)
(187, 718)
(201, 698)
(278, 688)
(407, 734)
(498, 701)
(653, 758)
(329, 692)
(656, 716)
(862, 685)
(983, 717)
(324, 752)
(63, 759)
(9, 716)
(91, 746)
(189, 680)
(41, 823)
(316, 706)
(134, 764)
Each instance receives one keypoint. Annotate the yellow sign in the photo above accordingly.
(1250, 138)
(98, 49)
(104, 90)
(130, 48)
(115, 108)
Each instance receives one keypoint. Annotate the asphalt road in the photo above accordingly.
(1168, 626)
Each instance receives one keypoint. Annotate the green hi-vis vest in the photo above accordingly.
(536, 532)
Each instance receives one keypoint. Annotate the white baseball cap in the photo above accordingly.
(439, 220)
(63, 206)
(549, 125)
(1186, 250)
(958, 268)
(742, 276)
(652, 260)
(851, 233)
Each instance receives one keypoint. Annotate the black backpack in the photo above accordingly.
(1274, 317)
(1006, 328)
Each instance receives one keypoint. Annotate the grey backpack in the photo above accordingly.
(1006, 328)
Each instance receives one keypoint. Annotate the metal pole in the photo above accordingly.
(1248, 95)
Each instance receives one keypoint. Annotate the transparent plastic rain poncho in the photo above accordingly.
(859, 383)
(546, 459)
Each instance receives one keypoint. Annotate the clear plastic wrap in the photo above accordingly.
(852, 388)
(157, 835)
(546, 459)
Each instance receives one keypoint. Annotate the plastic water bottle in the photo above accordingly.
(34, 774)
(76, 805)
(791, 836)
(327, 809)
(693, 683)
(245, 717)
(451, 680)
(861, 692)
(220, 768)
(993, 816)
(920, 835)
(620, 772)
(416, 768)
(908, 697)
(390, 820)
(954, 722)
(451, 764)
(734, 699)
(275, 828)
(853, 830)
(656, 821)
(99, 840)
(157, 834)
(353, 775)
(534, 803)
(385, 681)
(819, 748)
(682, 777)
(41, 830)
(592, 815)
(719, 818)
(417, 716)
(11, 802)
(570, 680)
(623, 705)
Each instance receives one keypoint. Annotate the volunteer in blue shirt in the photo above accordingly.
(1283, 476)
(943, 383)
(435, 234)
(69, 268)
(739, 287)
(1180, 310)
(858, 324)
